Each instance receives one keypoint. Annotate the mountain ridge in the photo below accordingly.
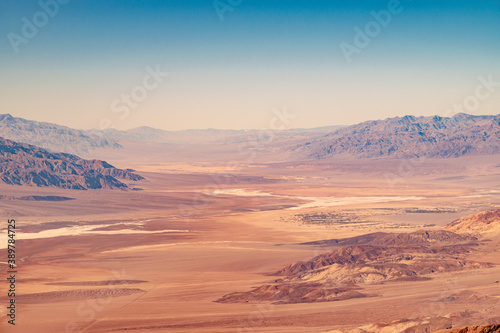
(53, 137)
(58, 138)
(24, 164)
(483, 222)
(407, 137)
(399, 137)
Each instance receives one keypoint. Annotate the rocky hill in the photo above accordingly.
(53, 137)
(422, 325)
(23, 164)
(387, 239)
(473, 329)
(354, 262)
(407, 137)
(484, 222)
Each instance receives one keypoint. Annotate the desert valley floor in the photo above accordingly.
(205, 249)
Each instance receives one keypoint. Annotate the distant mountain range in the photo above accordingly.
(51, 136)
(210, 135)
(154, 135)
(406, 137)
(59, 138)
(23, 164)
(400, 137)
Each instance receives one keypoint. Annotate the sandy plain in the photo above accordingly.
(156, 260)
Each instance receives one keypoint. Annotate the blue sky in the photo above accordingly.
(232, 73)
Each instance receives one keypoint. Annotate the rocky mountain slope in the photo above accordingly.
(23, 164)
(484, 222)
(354, 262)
(53, 137)
(407, 137)
(473, 329)
(422, 325)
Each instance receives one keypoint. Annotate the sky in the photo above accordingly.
(232, 64)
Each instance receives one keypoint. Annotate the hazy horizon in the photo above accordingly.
(244, 129)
